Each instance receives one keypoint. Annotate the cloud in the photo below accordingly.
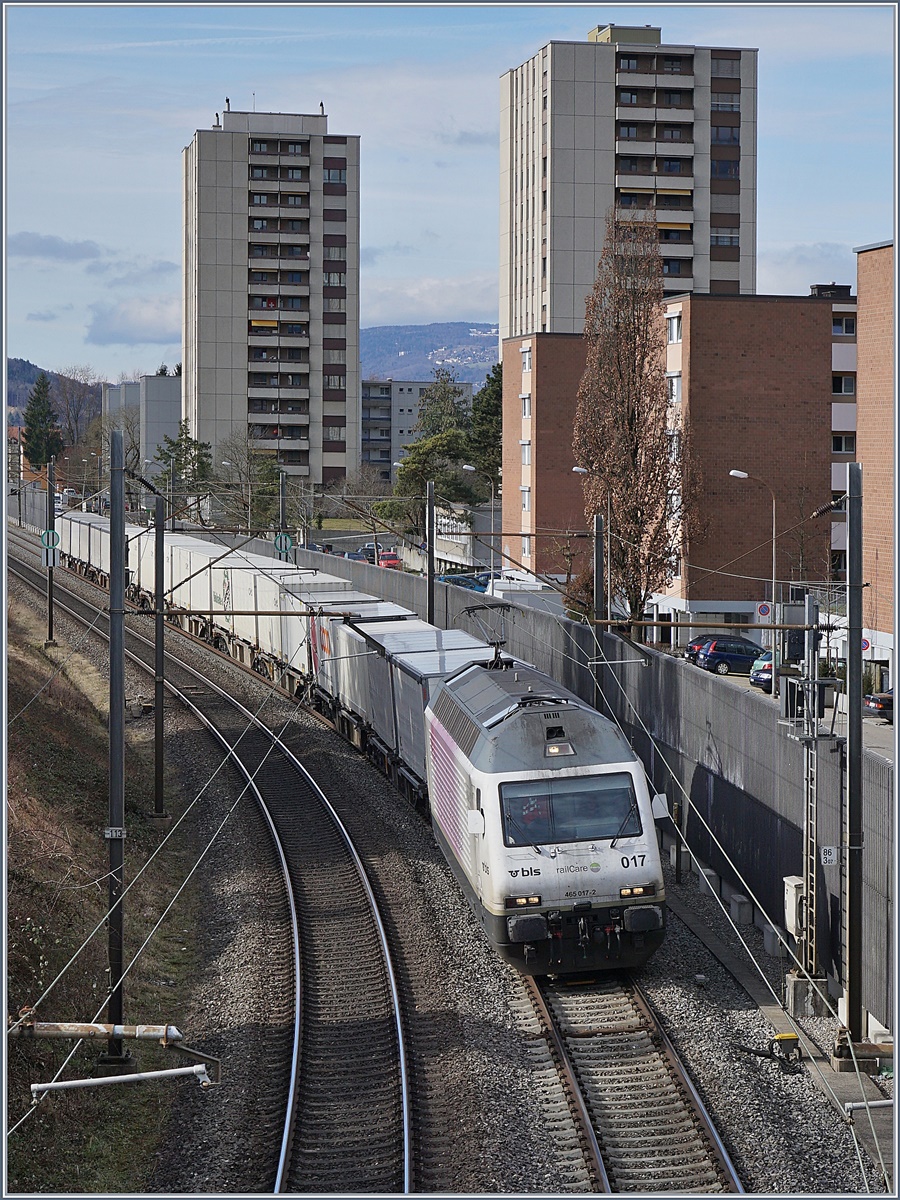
(57, 249)
(136, 321)
(788, 270)
(470, 137)
(369, 255)
(47, 315)
(419, 301)
(134, 272)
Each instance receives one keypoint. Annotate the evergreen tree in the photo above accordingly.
(442, 407)
(486, 437)
(43, 439)
(184, 459)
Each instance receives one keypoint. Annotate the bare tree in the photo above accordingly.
(250, 479)
(128, 420)
(628, 436)
(77, 396)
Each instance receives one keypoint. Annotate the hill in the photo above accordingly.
(21, 376)
(413, 351)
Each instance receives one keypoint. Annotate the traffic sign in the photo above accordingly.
(866, 644)
(50, 539)
(763, 609)
(283, 542)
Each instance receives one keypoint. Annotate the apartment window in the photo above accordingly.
(526, 546)
(673, 388)
(294, 302)
(671, 266)
(334, 175)
(294, 276)
(294, 173)
(843, 326)
(261, 276)
(259, 147)
(626, 63)
(294, 252)
(673, 166)
(839, 501)
(526, 498)
(259, 223)
(628, 131)
(295, 380)
(334, 304)
(260, 173)
(526, 453)
(334, 279)
(526, 358)
(726, 102)
(674, 235)
(340, 356)
(843, 443)
(293, 354)
(673, 328)
(673, 66)
(259, 198)
(295, 201)
(725, 135)
(292, 226)
(296, 148)
(291, 330)
(629, 200)
(838, 565)
(724, 239)
(260, 250)
(674, 133)
(525, 397)
(672, 99)
(628, 97)
(259, 355)
(843, 385)
(263, 301)
(333, 433)
(725, 68)
(335, 251)
(664, 201)
(334, 381)
(725, 168)
(628, 166)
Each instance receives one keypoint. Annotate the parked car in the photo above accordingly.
(466, 581)
(354, 555)
(726, 654)
(880, 704)
(761, 672)
(694, 645)
(387, 558)
(312, 546)
(369, 553)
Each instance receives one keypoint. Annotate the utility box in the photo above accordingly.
(793, 900)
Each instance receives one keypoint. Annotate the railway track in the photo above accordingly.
(643, 1126)
(347, 1123)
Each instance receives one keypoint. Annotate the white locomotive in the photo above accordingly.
(538, 803)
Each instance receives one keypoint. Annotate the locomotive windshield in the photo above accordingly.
(569, 810)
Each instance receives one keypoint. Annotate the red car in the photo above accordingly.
(388, 559)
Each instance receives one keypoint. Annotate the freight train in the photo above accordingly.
(538, 803)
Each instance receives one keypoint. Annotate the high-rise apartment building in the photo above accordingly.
(623, 120)
(390, 416)
(271, 289)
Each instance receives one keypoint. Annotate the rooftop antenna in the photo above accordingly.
(227, 104)
(322, 107)
(254, 101)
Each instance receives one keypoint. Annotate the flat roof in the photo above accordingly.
(873, 246)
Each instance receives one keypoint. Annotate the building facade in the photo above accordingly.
(156, 404)
(624, 120)
(876, 441)
(390, 414)
(271, 289)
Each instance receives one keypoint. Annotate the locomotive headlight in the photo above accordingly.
(648, 889)
(521, 901)
(555, 749)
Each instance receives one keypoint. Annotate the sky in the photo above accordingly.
(101, 99)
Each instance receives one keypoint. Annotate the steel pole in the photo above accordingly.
(429, 550)
(493, 501)
(51, 525)
(159, 673)
(115, 834)
(853, 845)
(775, 687)
(599, 592)
(282, 510)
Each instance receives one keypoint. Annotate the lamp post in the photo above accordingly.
(485, 475)
(585, 471)
(744, 475)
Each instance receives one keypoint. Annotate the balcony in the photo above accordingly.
(635, 79)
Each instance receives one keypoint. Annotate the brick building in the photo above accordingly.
(876, 432)
(767, 385)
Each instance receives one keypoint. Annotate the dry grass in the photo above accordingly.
(92, 1140)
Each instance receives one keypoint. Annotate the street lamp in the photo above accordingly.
(762, 482)
(585, 471)
(489, 478)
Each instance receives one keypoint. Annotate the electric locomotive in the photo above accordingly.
(542, 810)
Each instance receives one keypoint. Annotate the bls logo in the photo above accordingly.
(526, 872)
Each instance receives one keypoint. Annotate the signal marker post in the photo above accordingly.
(51, 531)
